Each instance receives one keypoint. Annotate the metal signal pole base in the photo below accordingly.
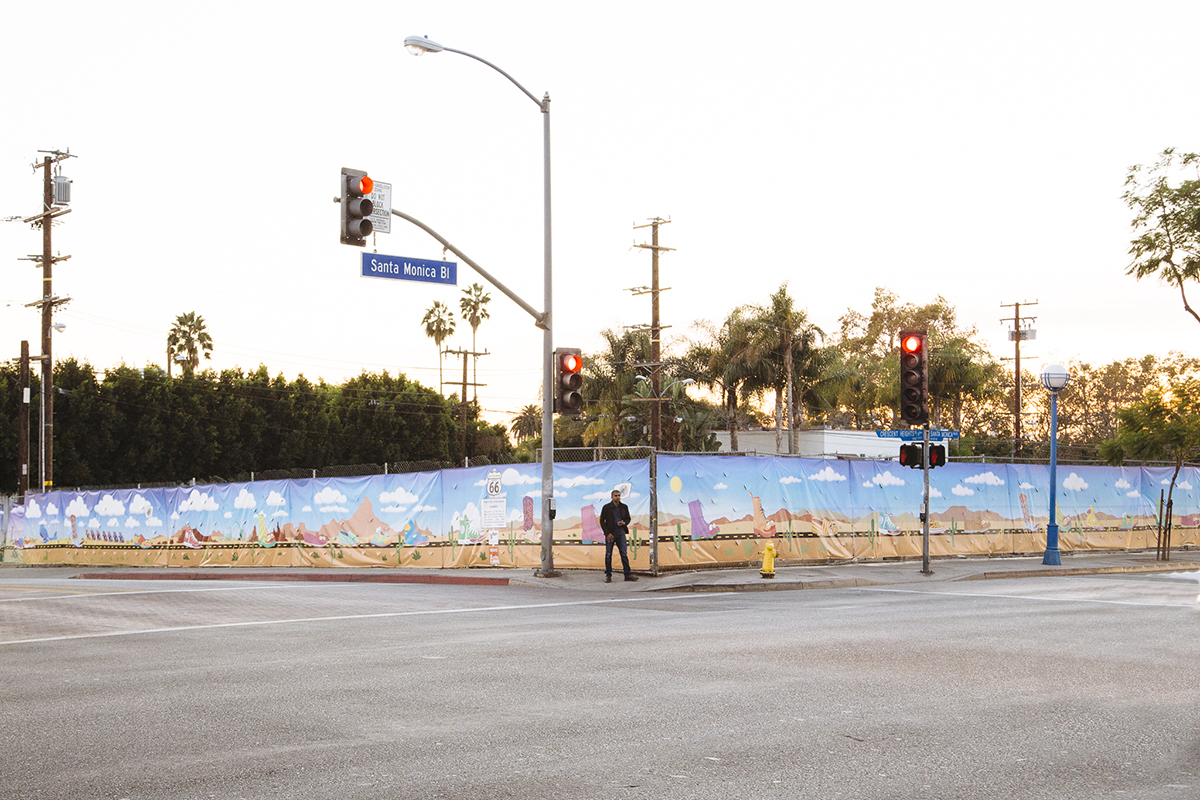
(925, 568)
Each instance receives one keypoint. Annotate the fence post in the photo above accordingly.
(653, 511)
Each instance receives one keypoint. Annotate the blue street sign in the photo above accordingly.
(399, 268)
(935, 434)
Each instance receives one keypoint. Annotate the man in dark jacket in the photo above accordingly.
(614, 521)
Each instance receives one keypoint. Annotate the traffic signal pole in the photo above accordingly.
(925, 569)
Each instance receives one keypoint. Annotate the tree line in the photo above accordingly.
(132, 425)
(770, 355)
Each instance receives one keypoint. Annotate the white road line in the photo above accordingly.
(84, 594)
(1030, 597)
(344, 617)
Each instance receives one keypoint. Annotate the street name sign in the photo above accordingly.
(935, 434)
(400, 268)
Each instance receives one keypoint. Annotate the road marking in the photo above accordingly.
(1030, 597)
(346, 617)
(75, 594)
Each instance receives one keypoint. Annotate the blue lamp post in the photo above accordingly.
(1055, 378)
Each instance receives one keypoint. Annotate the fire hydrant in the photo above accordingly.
(768, 565)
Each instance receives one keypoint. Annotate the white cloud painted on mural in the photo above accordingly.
(1074, 483)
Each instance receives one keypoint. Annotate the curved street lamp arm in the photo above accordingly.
(538, 317)
(544, 105)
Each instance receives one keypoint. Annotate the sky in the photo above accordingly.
(976, 151)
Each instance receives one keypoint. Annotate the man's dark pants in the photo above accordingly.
(618, 539)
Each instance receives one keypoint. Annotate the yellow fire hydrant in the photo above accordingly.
(768, 565)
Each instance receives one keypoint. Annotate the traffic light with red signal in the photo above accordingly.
(914, 378)
(937, 455)
(356, 207)
(911, 455)
(568, 380)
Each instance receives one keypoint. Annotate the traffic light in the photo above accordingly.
(937, 455)
(914, 378)
(356, 207)
(568, 378)
(910, 456)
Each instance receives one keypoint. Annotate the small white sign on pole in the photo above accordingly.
(381, 199)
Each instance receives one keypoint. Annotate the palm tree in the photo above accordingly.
(439, 325)
(528, 423)
(611, 376)
(473, 306)
(780, 334)
(188, 338)
(718, 364)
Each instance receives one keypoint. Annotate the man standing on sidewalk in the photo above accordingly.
(614, 521)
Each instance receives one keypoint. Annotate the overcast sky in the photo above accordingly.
(973, 150)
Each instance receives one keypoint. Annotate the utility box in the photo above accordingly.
(62, 190)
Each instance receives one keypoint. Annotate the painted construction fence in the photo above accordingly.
(711, 510)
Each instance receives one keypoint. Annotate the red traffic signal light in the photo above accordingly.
(356, 207)
(568, 378)
(937, 455)
(910, 456)
(914, 378)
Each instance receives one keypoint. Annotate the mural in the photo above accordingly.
(711, 509)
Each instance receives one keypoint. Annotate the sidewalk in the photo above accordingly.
(823, 576)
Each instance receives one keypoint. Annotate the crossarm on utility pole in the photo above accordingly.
(538, 317)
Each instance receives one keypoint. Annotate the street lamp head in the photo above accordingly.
(58, 326)
(686, 381)
(1055, 378)
(420, 45)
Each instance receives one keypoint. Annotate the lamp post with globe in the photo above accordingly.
(1055, 378)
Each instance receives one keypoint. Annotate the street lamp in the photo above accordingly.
(1055, 378)
(419, 45)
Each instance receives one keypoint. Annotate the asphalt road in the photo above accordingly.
(1078, 687)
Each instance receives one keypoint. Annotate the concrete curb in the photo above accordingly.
(850, 583)
(1166, 566)
(349, 577)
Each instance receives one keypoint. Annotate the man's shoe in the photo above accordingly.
(608, 578)
(631, 577)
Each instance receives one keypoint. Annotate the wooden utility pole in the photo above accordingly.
(655, 330)
(1017, 335)
(45, 219)
(462, 397)
(655, 379)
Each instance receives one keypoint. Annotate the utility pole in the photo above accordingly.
(655, 378)
(462, 398)
(655, 329)
(1017, 335)
(49, 213)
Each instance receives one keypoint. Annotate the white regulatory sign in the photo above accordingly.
(493, 513)
(381, 199)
